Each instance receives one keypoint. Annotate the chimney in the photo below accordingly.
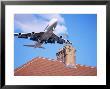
(67, 56)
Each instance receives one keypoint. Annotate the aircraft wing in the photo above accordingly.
(21, 35)
(31, 35)
(59, 40)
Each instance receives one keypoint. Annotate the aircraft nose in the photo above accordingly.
(55, 19)
(53, 22)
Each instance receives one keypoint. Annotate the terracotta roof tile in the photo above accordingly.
(43, 67)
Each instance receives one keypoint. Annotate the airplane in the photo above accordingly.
(44, 37)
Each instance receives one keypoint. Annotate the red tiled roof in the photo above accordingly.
(44, 67)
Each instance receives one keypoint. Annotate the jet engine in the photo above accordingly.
(33, 33)
(22, 36)
(19, 35)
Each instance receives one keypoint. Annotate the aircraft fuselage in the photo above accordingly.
(49, 30)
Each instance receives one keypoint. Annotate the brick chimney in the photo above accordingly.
(67, 56)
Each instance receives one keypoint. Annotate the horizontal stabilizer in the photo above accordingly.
(34, 46)
(30, 45)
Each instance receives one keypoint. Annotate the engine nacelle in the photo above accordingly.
(60, 36)
(32, 36)
(22, 35)
(19, 35)
(33, 33)
(51, 40)
(60, 41)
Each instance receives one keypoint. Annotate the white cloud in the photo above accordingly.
(60, 29)
(50, 16)
(37, 23)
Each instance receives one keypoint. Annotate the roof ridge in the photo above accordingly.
(86, 66)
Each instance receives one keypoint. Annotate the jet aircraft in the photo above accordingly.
(44, 37)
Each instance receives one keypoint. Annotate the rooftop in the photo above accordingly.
(41, 66)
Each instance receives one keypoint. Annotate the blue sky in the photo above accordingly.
(81, 30)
